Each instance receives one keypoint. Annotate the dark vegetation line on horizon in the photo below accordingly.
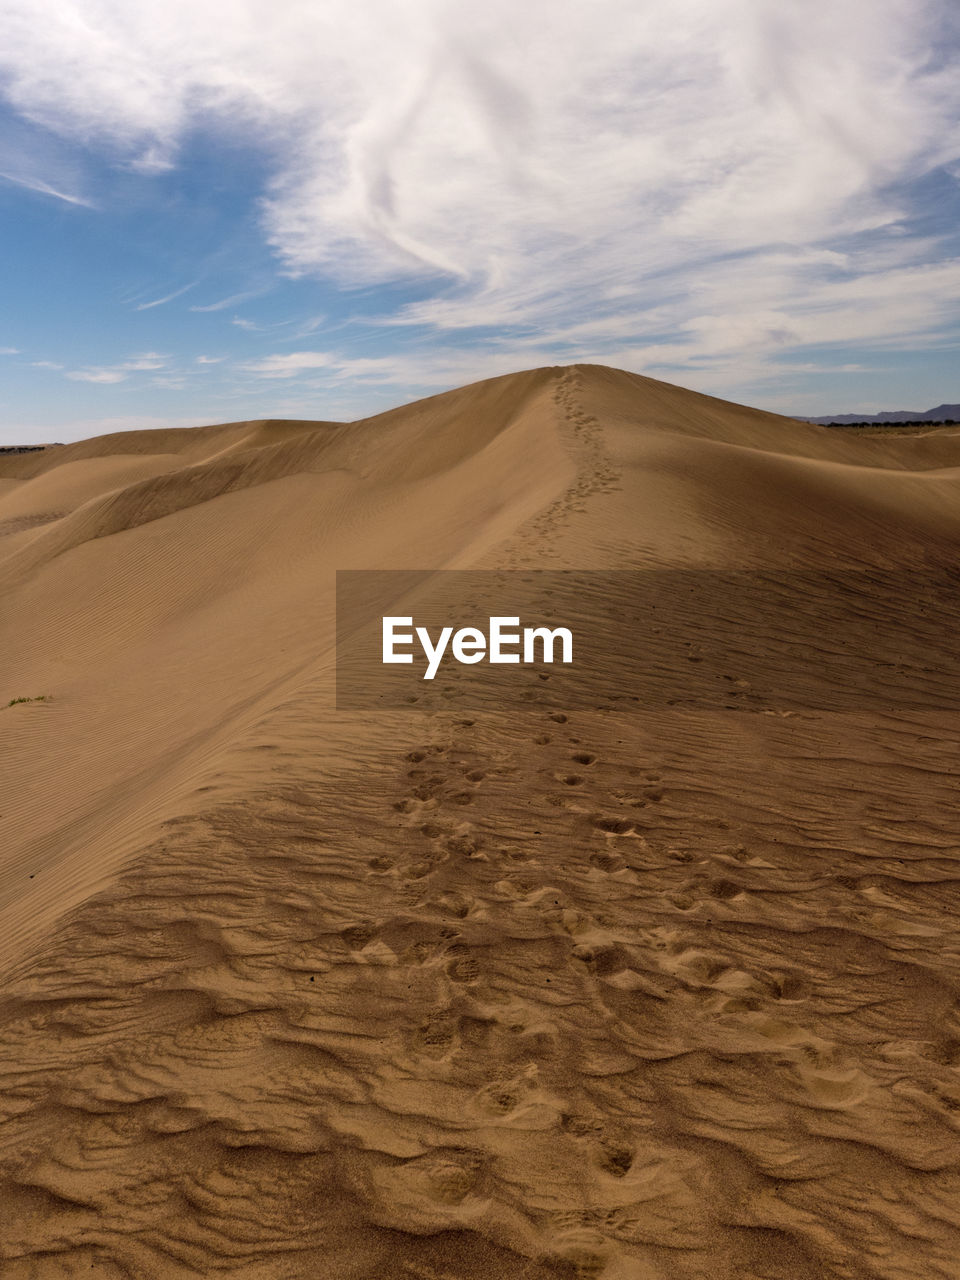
(941, 415)
(914, 424)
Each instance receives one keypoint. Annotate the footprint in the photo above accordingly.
(451, 1177)
(504, 1095)
(356, 936)
(615, 1158)
(435, 1036)
(464, 846)
(579, 1125)
(738, 852)
(599, 958)
(454, 904)
(512, 854)
(606, 861)
(429, 787)
(789, 986)
(499, 1099)
(704, 968)
(612, 825)
(724, 890)
(418, 952)
(584, 1255)
(847, 882)
(946, 1053)
(463, 968)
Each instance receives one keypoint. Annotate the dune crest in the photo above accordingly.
(292, 992)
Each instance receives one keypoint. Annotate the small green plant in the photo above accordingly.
(16, 701)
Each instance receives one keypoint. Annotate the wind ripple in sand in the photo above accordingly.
(660, 1034)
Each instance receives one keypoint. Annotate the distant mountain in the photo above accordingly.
(942, 413)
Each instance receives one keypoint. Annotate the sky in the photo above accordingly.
(216, 210)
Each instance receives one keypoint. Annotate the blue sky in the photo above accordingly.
(223, 209)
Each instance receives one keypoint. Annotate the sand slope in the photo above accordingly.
(291, 993)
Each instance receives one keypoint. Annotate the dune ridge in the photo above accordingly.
(295, 992)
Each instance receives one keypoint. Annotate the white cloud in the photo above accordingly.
(620, 176)
(45, 189)
(45, 364)
(290, 365)
(107, 374)
(152, 160)
(97, 375)
(250, 326)
(307, 328)
(9, 351)
(149, 360)
(169, 297)
(232, 301)
(210, 359)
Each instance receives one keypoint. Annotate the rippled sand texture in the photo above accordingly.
(292, 993)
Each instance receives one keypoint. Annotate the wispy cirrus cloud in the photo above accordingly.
(45, 189)
(223, 303)
(34, 160)
(167, 297)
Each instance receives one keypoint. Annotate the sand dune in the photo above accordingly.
(297, 992)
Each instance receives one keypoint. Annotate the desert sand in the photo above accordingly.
(290, 992)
